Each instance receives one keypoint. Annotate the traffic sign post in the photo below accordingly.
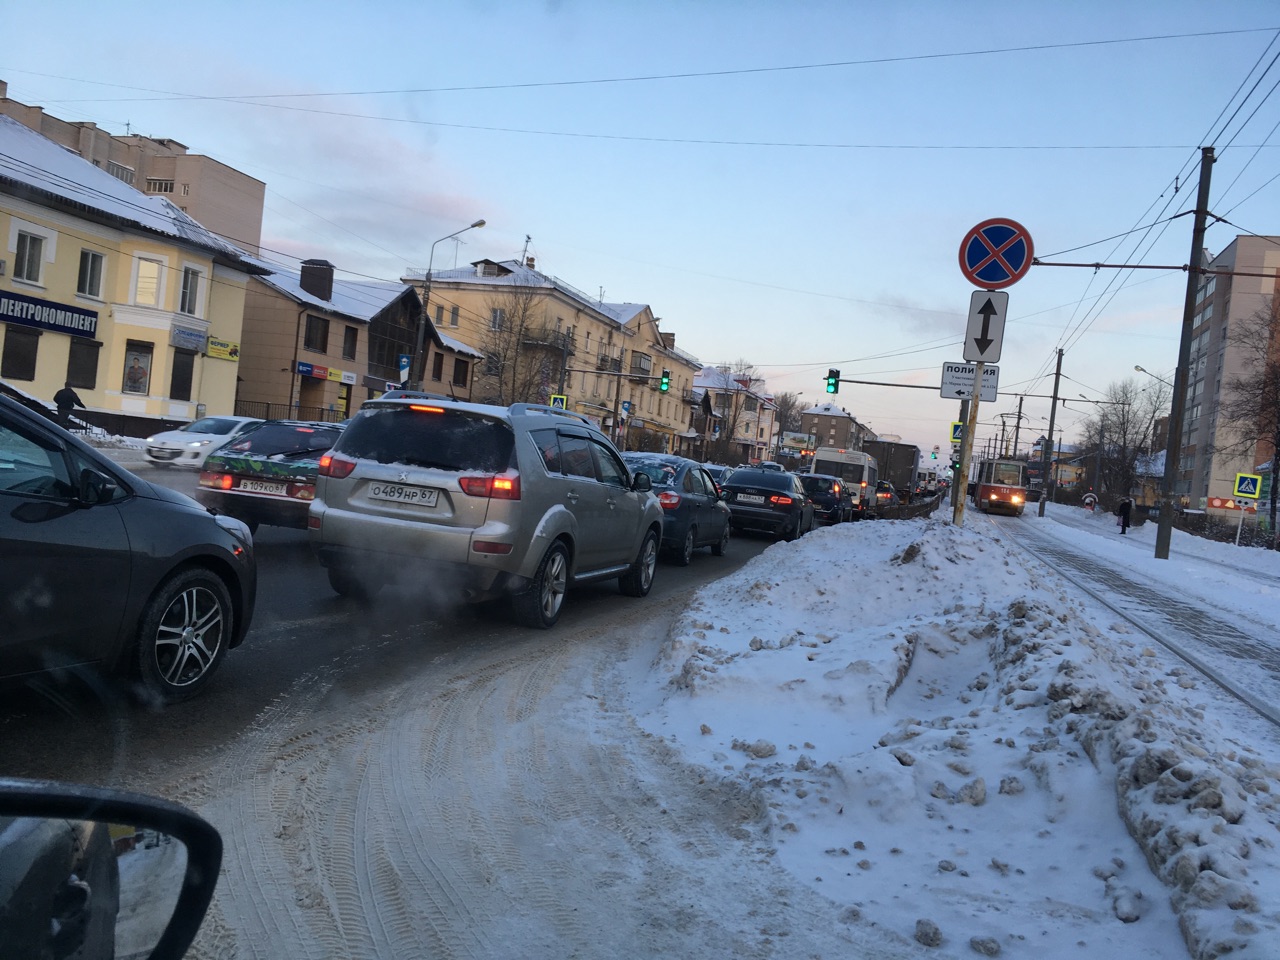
(1248, 485)
(957, 431)
(997, 253)
(966, 451)
(958, 380)
(559, 401)
(985, 333)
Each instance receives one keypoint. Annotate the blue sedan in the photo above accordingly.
(693, 513)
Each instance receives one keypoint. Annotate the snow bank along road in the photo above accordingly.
(932, 763)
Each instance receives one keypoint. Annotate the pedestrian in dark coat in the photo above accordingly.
(1126, 506)
(66, 401)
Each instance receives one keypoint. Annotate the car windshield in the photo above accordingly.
(215, 425)
(429, 437)
(817, 484)
(285, 439)
(768, 479)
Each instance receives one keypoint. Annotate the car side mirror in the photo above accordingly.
(641, 483)
(95, 488)
(87, 868)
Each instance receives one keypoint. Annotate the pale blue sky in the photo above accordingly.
(819, 228)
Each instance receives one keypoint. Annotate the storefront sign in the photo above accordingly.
(334, 375)
(224, 349)
(47, 315)
(187, 339)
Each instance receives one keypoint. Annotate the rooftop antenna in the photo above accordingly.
(524, 255)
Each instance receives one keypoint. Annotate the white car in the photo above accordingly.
(188, 446)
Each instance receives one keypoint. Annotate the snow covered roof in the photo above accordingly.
(458, 346)
(358, 299)
(829, 409)
(31, 162)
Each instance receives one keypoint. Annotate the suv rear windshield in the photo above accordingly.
(814, 484)
(448, 440)
(285, 439)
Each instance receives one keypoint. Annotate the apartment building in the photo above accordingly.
(541, 337)
(741, 426)
(1210, 456)
(830, 425)
(222, 199)
(123, 295)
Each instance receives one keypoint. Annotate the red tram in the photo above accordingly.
(1000, 485)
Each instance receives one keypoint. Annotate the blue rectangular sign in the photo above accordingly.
(47, 315)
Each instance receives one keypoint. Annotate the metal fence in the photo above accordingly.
(283, 411)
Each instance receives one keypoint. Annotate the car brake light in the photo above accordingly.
(422, 408)
(495, 488)
(669, 500)
(483, 546)
(209, 478)
(781, 501)
(336, 467)
(835, 488)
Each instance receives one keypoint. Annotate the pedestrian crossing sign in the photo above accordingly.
(957, 431)
(1248, 485)
(559, 401)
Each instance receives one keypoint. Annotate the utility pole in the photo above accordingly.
(1046, 460)
(1173, 450)
(966, 447)
(1017, 427)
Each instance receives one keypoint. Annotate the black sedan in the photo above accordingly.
(693, 514)
(771, 501)
(830, 495)
(268, 474)
(103, 568)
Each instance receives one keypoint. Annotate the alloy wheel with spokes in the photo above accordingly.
(185, 631)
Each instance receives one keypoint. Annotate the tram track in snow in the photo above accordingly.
(1188, 631)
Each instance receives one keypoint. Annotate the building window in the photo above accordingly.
(190, 291)
(147, 292)
(186, 189)
(453, 315)
(184, 365)
(437, 367)
(157, 185)
(18, 362)
(30, 256)
(82, 363)
(137, 367)
(439, 314)
(317, 334)
(492, 366)
(350, 337)
(497, 318)
(90, 282)
(459, 372)
(749, 404)
(120, 171)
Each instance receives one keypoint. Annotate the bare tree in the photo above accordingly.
(1122, 431)
(1251, 399)
(523, 355)
(787, 413)
(730, 386)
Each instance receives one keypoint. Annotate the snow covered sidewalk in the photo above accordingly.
(957, 749)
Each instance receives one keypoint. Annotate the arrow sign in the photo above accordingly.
(985, 333)
(957, 382)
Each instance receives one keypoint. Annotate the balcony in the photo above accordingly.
(555, 339)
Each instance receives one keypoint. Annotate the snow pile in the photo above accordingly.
(956, 750)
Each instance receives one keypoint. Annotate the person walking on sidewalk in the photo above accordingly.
(66, 401)
(1123, 511)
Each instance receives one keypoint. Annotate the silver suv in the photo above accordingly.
(481, 501)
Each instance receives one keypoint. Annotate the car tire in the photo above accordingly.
(638, 579)
(183, 636)
(791, 531)
(685, 555)
(718, 548)
(346, 583)
(539, 604)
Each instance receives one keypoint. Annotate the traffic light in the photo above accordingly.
(665, 383)
(933, 455)
(833, 381)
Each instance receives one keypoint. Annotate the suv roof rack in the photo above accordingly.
(519, 408)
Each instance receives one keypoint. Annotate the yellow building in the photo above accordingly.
(122, 295)
(541, 337)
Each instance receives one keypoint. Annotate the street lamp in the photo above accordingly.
(1152, 375)
(418, 371)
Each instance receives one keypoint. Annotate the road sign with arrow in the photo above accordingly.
(985, 333)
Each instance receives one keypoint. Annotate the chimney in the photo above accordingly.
(528, 262)
(317, 278)
(668, 340)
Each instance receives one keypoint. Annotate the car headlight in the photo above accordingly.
(235, 527)
(198, 443)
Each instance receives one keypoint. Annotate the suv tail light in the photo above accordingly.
(336, 467)
(669, 500)
(495, 488)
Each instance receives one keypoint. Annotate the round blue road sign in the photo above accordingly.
(996, 253)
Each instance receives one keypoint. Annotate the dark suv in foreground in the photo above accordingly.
(476, 501)
(103, 568)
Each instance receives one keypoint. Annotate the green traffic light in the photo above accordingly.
(665, 384)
